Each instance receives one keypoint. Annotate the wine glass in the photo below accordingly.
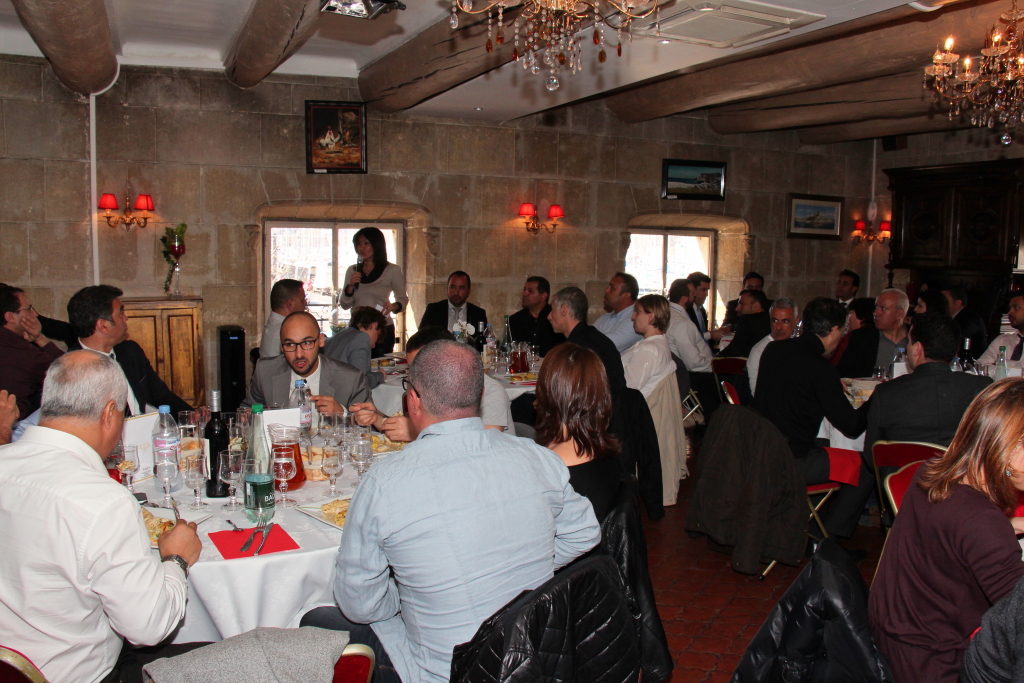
(187, 418)
(332, 466)
(284, 469)
(195, 476)
(165, 465)
(202, 417)
(362, 458)
(129, 466)
(230, 474)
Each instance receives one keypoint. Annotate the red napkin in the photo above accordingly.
(229, 543)
(527, 383)
(114, 473)
(844, 466)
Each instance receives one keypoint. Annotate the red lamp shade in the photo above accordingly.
(555, 212)
(144, 202)
(527, 210)
(108, 202)
(859, 224)
(885, 227)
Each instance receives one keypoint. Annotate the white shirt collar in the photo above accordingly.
(63, 440)
(108, 354)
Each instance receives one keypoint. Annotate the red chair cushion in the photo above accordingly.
(899, 482)
(821, 488)
(900, 454)
(352, 668)
(729, 366)
(734, 395)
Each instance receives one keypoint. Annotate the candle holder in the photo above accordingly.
(174, 248)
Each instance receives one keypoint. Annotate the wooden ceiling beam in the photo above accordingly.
(878, 128)
(882, 50)
(74, 36)
(272, 32)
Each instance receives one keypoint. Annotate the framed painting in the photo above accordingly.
(696, 180)
(335, 137)
(814, 216)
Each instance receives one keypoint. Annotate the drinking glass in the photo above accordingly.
(357, 431)
(165, 466)
(332, 466)
(187, 417)
(195, 476)
(878, 373)
(202, 417)
(362, 458)
(238, 437)
(284, 469)
(243, 415)
(535, 358)
(129, 465)
(231, 474)
(228, 418)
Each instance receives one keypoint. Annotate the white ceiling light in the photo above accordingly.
(362, 9)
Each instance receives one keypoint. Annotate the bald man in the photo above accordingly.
(333, 384)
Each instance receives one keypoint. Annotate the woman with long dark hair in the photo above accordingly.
(952, 552)
(372, 281)
(574, 407)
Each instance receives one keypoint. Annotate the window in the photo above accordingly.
(657, 257)
(318, 254)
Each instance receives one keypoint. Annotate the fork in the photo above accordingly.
(174, 506)
(258, 530)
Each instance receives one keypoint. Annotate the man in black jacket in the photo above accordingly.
(455, 308)
(752, 280)
(796, 388)
(753, 324)
(871, 347)
(531, 324)
(971, 324)
(569, 317)
(98, 318)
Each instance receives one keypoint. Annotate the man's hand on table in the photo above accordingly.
(182, 540)
(326, 405)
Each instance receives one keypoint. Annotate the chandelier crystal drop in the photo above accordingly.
(990, 87)
(550, 32)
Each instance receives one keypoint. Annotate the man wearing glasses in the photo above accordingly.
(333, 384)
(25, 353)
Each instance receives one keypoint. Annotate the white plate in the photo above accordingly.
(317, 513)
(197, 516)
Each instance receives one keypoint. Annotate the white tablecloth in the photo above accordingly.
(388, 396)
(839, 440)
(228, 597)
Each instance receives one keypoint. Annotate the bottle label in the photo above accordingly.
(259, 492)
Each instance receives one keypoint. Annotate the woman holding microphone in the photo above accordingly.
(372, 281)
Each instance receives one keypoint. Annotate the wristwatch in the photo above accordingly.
(178, 560)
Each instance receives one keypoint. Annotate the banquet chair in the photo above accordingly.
(731, 368)
(823, 492)
(896, 454)
(17, 668)
(897, 484)
(355, 665)
(731, 394)
(691, 405)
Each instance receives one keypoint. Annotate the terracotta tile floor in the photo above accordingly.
(710, 612)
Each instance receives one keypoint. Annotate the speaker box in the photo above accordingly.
(232, 366)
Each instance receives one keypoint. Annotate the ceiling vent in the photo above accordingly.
(732, 23)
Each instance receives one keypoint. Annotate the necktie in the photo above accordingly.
(1018, 349)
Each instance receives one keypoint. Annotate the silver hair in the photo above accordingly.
(80, 384)
(575, 300)
(902, 300)
(786, 302)
(449, 379)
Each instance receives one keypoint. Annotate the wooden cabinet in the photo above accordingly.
(170, 331)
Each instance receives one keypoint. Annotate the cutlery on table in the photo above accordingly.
(266, 534)
(233, 527)
(174, 506)
(259, 529)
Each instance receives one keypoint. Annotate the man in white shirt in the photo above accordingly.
(286, 297)
(1014, 341)
(847, 286)
(684, 339)
(617, 324)
(784, 318)
(77, 575)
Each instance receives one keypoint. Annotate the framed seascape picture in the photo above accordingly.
(697, 180)
(815, 216)
(335, 137)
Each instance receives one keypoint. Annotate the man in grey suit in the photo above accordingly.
(354, 344)
(334, 385)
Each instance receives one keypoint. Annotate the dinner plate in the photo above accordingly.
(317, 513)
(197, 516)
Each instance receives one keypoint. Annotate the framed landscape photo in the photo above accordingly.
(335, 137)
(689, 179)
(814, 216)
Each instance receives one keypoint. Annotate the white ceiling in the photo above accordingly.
(198, 34)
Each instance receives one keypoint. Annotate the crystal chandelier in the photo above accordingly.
(993, 90)
(551, 30)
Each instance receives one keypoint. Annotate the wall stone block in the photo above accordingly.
(60, 253)
(208, 137)
(176, 90)
(489, 253)
(219, 93)
(119, 254)
(20, 81)
(14, 264)
(536, 153)
(21, 191)
(175, 188)
(125, 132)
(46, 130)
(481, 150)
(414, 146)
(282, 141)
(231, 194)
(67, 190)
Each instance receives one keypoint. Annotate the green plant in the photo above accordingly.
(169, 234)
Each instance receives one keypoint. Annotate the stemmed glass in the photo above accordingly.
(284, 469)
(165, 465)
(195, 476)
(129, 465)
(231, 473)
(202, 417)
(332, 466)
(362, 458)
(176, 246)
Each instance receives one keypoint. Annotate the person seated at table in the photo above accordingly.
(1012, 341)
(98, 318)
(877, 347)
(649, 361)
(687, 344)
(333, 384)
(495, 408)
(860, 313)
(569, 317)
(25, 352)
(972, 325)
(354, 344)
(927, 404)
(574, 408)
(797, 388)
(78, 578)
(456, 309)
(952, 552)
(54, 329)
(286, 297)
(751, 281)
(785, 316)
(931, 301)
(752, 324)
(530, 324)
(444, 533)
(616, 324)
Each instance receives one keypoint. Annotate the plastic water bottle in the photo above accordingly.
(299, 398)
(1001, 364)
(166, 435)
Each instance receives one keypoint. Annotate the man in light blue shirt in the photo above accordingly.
(617, 324)
(443, 534)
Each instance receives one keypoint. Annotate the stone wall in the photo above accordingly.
(219, 159)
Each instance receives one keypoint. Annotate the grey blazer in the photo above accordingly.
(352, 346)
(271, 382)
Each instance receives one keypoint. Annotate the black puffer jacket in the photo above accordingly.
(575, 628)
(819, 632)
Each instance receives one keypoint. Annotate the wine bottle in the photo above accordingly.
(217, 437)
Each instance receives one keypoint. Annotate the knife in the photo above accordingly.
(266, 534)
(174, 506)
(248, 543)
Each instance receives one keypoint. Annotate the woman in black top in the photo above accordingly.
(574, 406)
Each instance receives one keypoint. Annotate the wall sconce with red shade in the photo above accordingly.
(528, 212)
(143, 203)
(862, 232)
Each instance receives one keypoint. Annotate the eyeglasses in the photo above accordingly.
(306, 345)
(408, 386)
(30, 307)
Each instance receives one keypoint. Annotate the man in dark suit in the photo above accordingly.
(531, 324)
(456, 308)
(100, 324)
(927, 404)
(751, 280)
(972, 325)
(871, 347)
(569, 317)
(695, 309)
(752, 324)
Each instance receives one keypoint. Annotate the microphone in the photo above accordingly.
(359, 269)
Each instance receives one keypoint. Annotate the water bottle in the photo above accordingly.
(1001, 364)
(969, 367)
(257, 479)
(166, 435)
(299, 398)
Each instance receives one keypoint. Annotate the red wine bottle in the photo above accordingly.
(216, 434)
